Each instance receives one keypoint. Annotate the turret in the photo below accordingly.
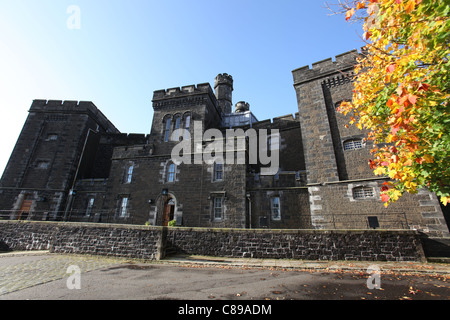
(223, 87)
(242, 106)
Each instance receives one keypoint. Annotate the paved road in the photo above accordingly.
(45, 277)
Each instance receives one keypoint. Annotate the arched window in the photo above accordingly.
(171, 173)
(176, 127)
(187, 124)
(167, 129)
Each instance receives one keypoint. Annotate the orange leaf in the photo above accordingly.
(360, 5)
(410, 6)
(390, 68)
(349, 14)
(424, 86)
(400, 111)
(412, 98)
(385, 197)
(394, 129)
(367, 35)
(389, 103)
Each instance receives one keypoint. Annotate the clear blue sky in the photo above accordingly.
(126, 49)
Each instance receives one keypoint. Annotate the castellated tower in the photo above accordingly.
(223, 87)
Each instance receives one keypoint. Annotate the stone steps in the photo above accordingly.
(436, 247)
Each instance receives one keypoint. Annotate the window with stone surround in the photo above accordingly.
(171, 173)
(218, 171)
(167, 129)
(218, 208)
(363, 193)
(123, 209)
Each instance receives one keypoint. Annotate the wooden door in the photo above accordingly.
(25, 209)
(168, 213)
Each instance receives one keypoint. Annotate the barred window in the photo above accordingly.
(353, 144)
(363, 193)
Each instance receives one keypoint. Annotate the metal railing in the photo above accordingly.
(391, 220)
(72, 216)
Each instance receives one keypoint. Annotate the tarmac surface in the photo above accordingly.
(42, 275)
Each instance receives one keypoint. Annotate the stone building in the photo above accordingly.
(71, 163)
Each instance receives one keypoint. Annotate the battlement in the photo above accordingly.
(73, 107)
(327, 67)
(278, 122)
(183, 91)
(66, 105)
(223, 78)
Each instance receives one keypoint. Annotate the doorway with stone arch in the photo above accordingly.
(168, 210)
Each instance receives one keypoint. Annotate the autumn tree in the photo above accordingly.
(401, 92)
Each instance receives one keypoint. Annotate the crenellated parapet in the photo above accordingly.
(223, 78)
(342, 64)
(63, 107)
(178, 92)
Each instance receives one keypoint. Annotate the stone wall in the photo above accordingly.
(361, 245)
(82, 238)
(151, 242)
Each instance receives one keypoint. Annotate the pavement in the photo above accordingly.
(44, 275)
(90, 262)
(438, 268)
